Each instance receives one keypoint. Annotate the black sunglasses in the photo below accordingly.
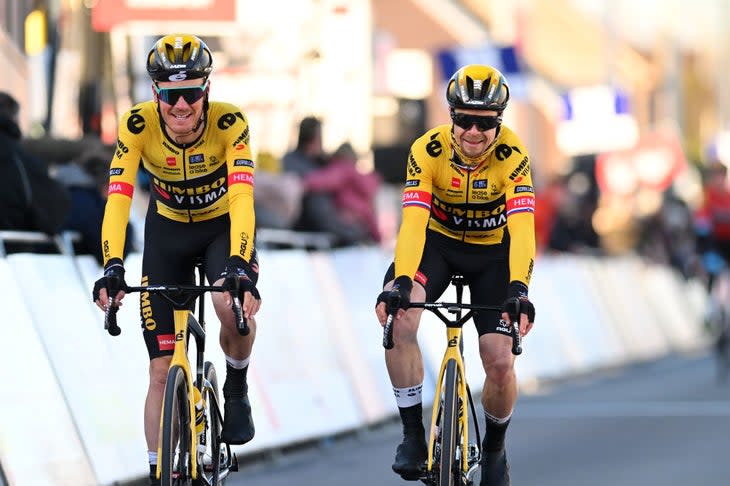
(483, 123)
(190, 94)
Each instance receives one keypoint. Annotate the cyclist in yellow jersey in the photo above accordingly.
(201, 207)
(468, 208)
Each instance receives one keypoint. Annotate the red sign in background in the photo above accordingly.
(108, 13)
(653, 164)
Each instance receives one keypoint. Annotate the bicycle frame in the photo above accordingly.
(453, 352)
(182, 297)
(180, 358)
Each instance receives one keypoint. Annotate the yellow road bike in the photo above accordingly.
(453, 459)
(190, 450)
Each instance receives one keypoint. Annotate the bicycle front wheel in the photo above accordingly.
(215, 453)
(175, 439)
(449, 472)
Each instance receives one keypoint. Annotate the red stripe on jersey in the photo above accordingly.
(519, 204)
(244, 177)
(417, 198)
(122, 188)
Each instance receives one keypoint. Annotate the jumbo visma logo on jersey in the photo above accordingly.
(195, 193)
(469, 217)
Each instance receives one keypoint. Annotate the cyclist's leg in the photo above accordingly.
(238, 426)
(405, 363)
(163, 261)
(499, 393)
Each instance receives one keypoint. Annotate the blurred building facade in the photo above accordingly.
(589, 79)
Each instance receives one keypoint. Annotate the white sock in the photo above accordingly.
(495, 420)
(408, 396)
(238, 364)
(152, 456)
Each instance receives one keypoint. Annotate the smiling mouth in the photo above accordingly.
(179, 116)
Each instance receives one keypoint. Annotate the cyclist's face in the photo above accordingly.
(179, 114)
(472, 141)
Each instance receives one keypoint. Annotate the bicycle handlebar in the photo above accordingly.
(186, 295)
(454, 307)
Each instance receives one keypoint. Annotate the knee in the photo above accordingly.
(405, 329)
(500, 371)
(158, 370)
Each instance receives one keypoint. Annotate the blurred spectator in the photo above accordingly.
(352, 191)
(319, 211)
(667, 236)
(87, 181)
(548, 199)
(573, 229)
(309, 154)
(29, 198)
(277, 195)
(712, 221)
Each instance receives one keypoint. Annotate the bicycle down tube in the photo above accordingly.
(182, 297)
(455, 433)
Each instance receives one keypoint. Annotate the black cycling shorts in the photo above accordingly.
(484, 267)
(171, 249)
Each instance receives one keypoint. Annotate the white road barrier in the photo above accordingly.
(317, 368)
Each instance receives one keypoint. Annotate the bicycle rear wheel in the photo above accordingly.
(449, 472)
(175, 440)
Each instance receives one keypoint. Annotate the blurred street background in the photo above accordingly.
(623, 106)
(620, 103)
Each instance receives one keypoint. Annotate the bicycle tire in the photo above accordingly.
(448, 472)
(214, 453)
(175, 441)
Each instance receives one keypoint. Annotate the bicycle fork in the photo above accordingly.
(179, 358)
(453, 352)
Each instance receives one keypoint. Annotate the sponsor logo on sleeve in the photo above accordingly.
(523, 189)
(243, 163)
(413, 167)
(417, 198)
(521, 204)
(121, 149)
(115, 171)
(521, 170)
(122, 188)
(240, 177)
(412, 183)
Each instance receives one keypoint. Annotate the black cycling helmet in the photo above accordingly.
(478, 87)
(176, 57)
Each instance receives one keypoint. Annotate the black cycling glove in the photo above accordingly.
(112, 281)
(517, 301)
(237, 268)
(399, 297)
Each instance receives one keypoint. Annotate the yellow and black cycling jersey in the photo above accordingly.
(491, 204)
(195, 182)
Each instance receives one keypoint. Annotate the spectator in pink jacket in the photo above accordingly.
(353, 191)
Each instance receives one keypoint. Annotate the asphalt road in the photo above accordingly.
(662, 423)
